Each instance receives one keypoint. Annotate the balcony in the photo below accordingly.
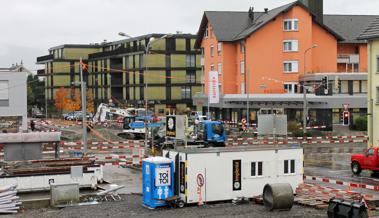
(45, 58)
(118, 51)
(348, 59)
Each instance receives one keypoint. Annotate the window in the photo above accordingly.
(186, 92)
(206, 32)
(290, 45)
(256, 169)
(219, 68)
(290, 87)
(4, 90)
(242, 67)
(212, 51)
(370, 152)
(291, 66)
(212, 67)
(190, 77)
(291, 25)
(242, 88)
(191, 60)
(219, 48)
(289, 166)
(202, 52)
(377, 64)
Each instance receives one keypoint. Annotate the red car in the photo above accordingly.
(367, 161)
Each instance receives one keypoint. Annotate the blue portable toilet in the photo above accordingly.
(157, 181)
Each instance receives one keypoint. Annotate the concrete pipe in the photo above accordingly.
(278, 196)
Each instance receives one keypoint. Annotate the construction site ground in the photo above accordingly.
(131, 206)
(324, 160)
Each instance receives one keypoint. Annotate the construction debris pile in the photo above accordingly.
(318, 197)
(9, 202)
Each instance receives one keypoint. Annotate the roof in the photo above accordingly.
(231, 26)
(372, 31)
(350, 27)
(75, 46)
(197, 150)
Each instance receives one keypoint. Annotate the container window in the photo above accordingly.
(292, 166)
(256, 169)
(289, 166)
(286, 167)
(253, 171)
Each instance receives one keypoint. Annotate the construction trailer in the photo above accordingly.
(218, 174)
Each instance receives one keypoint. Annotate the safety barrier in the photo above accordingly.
(296, 140)
(343, 183)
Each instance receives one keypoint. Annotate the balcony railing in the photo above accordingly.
(45, 58)
(116, 52)
(348, 59)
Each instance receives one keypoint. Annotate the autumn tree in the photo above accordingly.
(62, 99)
(90, 102)
(75, 102)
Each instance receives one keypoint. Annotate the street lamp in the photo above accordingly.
(305, 109)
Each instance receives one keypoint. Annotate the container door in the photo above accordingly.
(147, 184)
(163, 183)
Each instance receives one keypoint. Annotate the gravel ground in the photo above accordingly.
(131, 207)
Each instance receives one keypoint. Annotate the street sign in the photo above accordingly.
(200, 180)
(150, 125)
(137, 125)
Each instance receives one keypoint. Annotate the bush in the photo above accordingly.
(293, 126)
(360, 123)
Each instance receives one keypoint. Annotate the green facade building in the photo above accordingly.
(120, 71)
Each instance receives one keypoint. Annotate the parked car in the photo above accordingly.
(71, 115)
(78, 116)
(369, 160)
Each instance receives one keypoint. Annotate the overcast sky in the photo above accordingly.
(29, 27)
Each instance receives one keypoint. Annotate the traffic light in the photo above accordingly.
(324, 82)
(337, 83)
(346, 118)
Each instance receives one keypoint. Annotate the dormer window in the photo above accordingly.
(291, 25)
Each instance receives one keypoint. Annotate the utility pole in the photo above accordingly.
(84, 108)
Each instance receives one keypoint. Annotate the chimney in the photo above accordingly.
(251, 14)
(266, 10)
(316, 7)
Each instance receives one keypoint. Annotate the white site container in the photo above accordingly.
(42, 182)
(217, 174)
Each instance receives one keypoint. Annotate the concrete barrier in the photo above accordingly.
(64, 194)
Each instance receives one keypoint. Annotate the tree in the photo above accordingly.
(90, 102)
(35, 92)
(76, 102)
(62, 99)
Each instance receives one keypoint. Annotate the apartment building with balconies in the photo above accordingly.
(120, 70)
(61, 68)
(168, 75)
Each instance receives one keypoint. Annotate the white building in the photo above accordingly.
(13, 99)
